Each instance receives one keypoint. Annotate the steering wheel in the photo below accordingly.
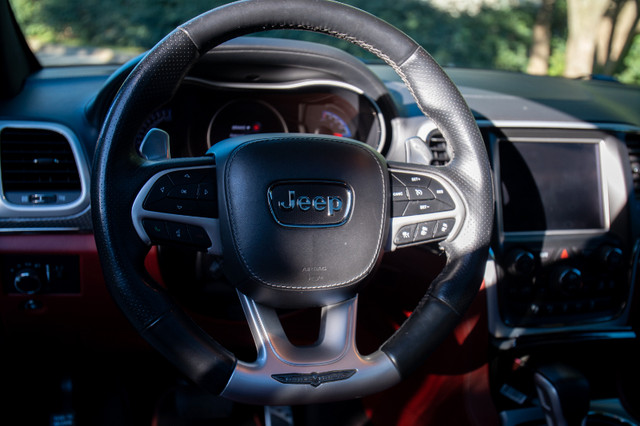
(300, 220)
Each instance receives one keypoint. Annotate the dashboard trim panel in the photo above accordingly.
(35, 229)
(428, 126)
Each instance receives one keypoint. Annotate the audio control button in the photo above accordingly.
(440, 193)
(159, 190)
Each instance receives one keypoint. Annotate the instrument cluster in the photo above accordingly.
(204, 113)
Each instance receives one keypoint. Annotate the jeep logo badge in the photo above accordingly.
(310, 203)
(332, 204)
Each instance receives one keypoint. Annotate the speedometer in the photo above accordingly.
(244, 117)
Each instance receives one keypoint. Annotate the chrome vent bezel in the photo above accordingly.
(79, 203)
(632, 141)
(36, 160)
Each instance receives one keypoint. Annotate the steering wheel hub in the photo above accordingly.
(303, 217)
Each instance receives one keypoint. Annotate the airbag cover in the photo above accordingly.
(303, 218)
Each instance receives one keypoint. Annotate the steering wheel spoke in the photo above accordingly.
(284, 373)
(179, 205)
(425, 207)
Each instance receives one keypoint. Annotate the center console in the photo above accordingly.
(561, 273)
(561, 259)
(563, 243)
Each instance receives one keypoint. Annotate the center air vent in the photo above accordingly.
(633, 145)
(37, 167)
(438, 147)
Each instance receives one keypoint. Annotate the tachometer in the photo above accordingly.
(244, 117)
(328, 119)
(332, 124)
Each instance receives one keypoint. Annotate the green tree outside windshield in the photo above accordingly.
(489, 37)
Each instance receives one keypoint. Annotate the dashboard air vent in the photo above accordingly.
(37, 163)
(633, 145)
(438, 147)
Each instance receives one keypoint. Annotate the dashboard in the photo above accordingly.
(565, 157)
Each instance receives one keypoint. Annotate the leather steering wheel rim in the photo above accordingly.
(119, 171)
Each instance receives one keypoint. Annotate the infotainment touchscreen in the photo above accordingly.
(550, 186)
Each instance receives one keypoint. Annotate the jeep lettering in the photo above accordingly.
(319, 203)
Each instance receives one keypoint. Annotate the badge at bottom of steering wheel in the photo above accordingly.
(314, 379)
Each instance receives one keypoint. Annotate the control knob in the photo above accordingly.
(27, 281)
(610, 257)
(567, 279)
(521, 262)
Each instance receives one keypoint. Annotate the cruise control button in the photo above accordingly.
(398, 208)
(440, 193)
(395, 180)
(444, 227)
(159, 190)
(411, 179)
(399, 193)
(425, 207)
(156, 229)
(416, 193)
(189, 192)
(425, 231)
(405, 235)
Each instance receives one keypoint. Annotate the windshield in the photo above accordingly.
(570, 38)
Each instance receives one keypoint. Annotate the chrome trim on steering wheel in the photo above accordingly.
(330, 369)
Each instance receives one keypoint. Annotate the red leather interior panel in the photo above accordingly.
(451, 388)
(89, 315)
